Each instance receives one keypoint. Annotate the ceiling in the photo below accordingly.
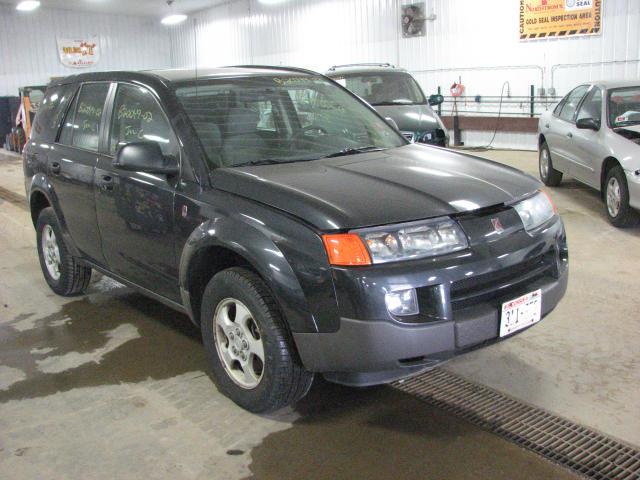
(153, 8)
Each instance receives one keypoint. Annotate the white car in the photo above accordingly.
(593, 135)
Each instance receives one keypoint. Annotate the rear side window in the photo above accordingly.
(138, 117)
(571, 103)
(82, 125)
(50, 112)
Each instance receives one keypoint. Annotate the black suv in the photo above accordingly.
(290, 222)
(395, 95)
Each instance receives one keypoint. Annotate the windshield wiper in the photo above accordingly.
(393, 102)
(275, 161)
(353, 151)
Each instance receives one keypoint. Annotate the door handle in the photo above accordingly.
(570, 135)
(106, 183)
(55, 168)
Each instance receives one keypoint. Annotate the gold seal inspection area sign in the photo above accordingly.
(559, 18)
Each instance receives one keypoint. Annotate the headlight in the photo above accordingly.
(414, 240)
(535, 210)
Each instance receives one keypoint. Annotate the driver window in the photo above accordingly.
(592, 105)
(137, 117)
(571, 103)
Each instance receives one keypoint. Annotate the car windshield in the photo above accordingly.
(624, 106)
(386, 88)
(278, 119)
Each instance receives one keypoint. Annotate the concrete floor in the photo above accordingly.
(112, 385)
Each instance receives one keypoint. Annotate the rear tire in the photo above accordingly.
(616, 199)
(61, 270)
(549, 175)
(241, 322)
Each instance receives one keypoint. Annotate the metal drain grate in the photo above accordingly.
(581, 449)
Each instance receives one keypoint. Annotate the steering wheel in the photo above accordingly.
(309, 128)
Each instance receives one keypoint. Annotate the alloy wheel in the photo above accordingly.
(544, 163)
(239, 343)
(614, 197)
(51, 252)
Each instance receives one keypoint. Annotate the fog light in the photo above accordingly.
(402, 302)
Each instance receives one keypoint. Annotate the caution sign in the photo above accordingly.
(559, 18)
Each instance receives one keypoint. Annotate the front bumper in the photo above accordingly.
(633, 182)
(460, 302)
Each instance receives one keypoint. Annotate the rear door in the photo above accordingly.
(135, 209)
(71, 165)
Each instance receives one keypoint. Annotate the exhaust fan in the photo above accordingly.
(413, 19)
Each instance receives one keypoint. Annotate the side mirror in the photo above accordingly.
(392, 122)
(588, 124)
(145, 157)
(435, 100)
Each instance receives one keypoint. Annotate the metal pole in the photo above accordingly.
(532, 100)
(439, 105)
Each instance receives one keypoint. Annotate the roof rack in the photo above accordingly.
(388, 65)
(276, 67)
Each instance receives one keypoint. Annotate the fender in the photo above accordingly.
(291, 260)
(40, 184)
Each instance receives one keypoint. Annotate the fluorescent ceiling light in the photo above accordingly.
(271, 2)
(27, 5)
(173, 19)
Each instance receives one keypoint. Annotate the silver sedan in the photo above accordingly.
(593, 135)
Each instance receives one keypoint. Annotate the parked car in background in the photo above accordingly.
(593, 135)
(298, 229)
(395, 94)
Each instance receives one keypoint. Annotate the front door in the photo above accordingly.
(562, 128)
(135, 209)
(587, 150)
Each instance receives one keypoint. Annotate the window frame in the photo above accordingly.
(608, 93)
(579, 104)
(77, 93)
(111, 104)
(592, 88)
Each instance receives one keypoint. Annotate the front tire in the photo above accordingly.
(549, 175)
(61, 270)
(616, 198)
(250, 351)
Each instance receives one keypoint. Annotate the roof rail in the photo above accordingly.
(388, 65)
(276, 67)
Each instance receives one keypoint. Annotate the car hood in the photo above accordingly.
(631, 132)
(412, 182)
(410, 118)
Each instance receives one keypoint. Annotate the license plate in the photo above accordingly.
(520, 312)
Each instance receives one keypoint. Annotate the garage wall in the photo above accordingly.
(466, 34)
(28, 54)
(477, 40)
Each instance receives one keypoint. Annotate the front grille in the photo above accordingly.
(493, 285)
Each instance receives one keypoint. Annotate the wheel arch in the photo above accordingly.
(541, 139)
(41, 196)
(607, 164)
(38, 202)
(214, 246)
